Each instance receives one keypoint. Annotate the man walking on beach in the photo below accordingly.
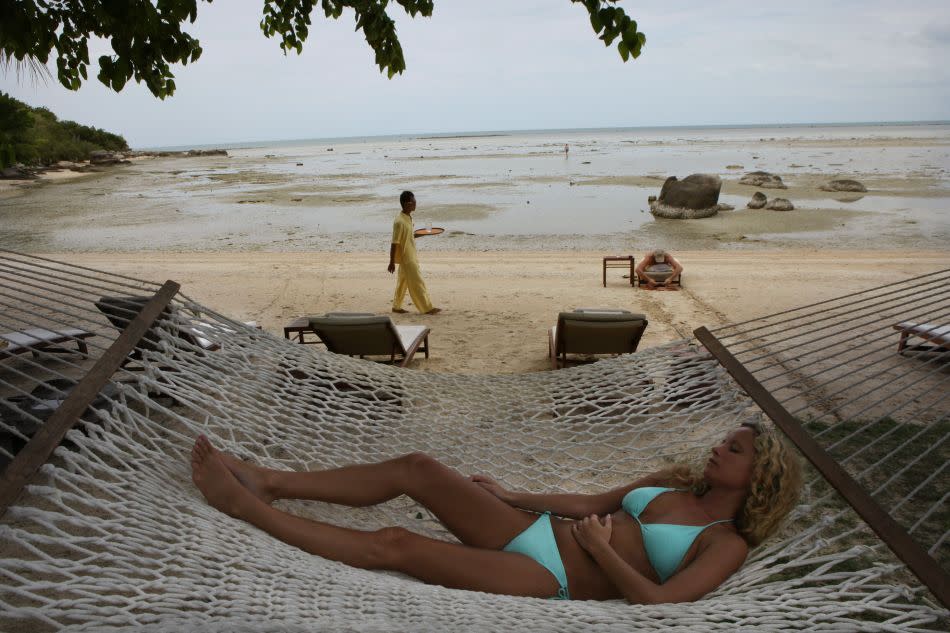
(402, 251)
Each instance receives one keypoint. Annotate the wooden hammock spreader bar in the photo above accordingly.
(892, 533)
(24, 466)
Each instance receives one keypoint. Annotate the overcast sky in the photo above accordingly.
(480, 65)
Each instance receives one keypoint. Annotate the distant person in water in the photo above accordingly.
(402, 251)
(658, 269)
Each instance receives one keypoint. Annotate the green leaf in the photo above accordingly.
(595, 22)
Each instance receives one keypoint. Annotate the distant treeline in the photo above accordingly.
(34, 136)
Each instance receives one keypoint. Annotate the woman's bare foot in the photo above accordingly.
(222, 490)
(251, 476)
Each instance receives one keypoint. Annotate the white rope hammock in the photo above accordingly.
(112, 534)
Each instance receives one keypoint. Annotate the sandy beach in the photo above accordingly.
(499, 306)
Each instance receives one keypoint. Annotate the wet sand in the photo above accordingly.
(501, 193)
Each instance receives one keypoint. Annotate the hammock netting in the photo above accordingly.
(112, 535)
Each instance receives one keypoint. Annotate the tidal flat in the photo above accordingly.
(512, 191)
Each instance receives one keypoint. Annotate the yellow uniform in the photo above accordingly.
(409, 276)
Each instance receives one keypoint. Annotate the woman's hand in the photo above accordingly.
(492, 486)
(593, 532)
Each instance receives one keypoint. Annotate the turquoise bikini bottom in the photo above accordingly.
(537, 542)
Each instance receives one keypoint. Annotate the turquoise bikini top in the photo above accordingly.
(665, 543)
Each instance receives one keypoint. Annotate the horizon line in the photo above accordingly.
(510, 132)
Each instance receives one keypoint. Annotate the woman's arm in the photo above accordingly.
(718, 560)
(574, 506)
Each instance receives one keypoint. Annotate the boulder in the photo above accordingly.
(779, 204)
(206, 152)
(696, 196)
(844, 185)
(661, 210)
(762, 179)
(15, 173)
(758, 201)
(102, 157)
(697, 191)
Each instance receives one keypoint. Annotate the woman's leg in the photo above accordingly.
(475, 516)
(430, 560)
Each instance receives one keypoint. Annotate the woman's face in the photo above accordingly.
(730, 465)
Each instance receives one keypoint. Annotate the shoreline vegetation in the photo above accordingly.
(34, 137)
(34, 142)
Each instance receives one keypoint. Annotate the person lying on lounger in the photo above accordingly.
(672, 536)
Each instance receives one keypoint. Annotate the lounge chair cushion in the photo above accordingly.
(598, 332)
(23, 340)
(603, 310)
(364, 334)
(409, 333)
(358, 334)
(930, 331)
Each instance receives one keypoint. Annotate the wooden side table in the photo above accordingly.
(297, 330)
(619, 261)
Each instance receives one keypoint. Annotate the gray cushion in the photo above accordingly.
(358, 335)
(599, 332)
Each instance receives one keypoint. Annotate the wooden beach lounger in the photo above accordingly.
(362, 334)
(36, 339)
(938, 335)
(121, 310)
(594, 331)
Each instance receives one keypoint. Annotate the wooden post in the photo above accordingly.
(24, 466)
(892, 533)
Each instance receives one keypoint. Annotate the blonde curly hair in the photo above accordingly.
(773, 492)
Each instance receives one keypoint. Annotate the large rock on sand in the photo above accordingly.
(758, 201)
(16, 173)
(844, 185)
(696, 196)
(762, 179)
(206, 152)
(779, 204)
(103, 157)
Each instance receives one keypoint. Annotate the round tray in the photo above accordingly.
(435, 230)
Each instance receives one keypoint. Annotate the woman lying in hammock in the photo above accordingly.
(672, 536)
